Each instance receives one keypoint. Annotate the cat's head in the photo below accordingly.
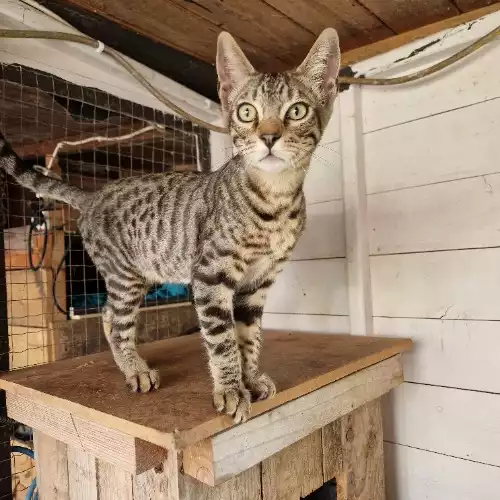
(276, 120)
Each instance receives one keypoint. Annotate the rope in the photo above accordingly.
(116, 56)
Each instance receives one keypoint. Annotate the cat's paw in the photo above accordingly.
(233, 401)
(261, 387)
(144, 381)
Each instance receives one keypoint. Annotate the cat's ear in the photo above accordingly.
(233, 68)
(320, 68)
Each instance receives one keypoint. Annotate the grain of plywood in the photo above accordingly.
(300, 363)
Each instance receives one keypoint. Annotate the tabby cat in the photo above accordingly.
(227, 232)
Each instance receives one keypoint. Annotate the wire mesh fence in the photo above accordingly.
(51, 294)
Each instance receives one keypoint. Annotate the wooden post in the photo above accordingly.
(51, 458)
(353, 452)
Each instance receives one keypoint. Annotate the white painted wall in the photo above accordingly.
(311, 293)
(432, 168)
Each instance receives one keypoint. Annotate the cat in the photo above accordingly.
(227, 232)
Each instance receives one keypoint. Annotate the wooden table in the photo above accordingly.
(95, 440)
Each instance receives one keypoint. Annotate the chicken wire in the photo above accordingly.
(50, 292)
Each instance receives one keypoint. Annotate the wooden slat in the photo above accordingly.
(51, 467)
(300, 288)
(439, 285)
(445, 347)
(321, 323)
(460, 86)
(82, 475)
(414, 474)
(333, 456)
(299, 363)
(112, 446)
(463, 424)
(388, 44)
(324, 236)
(466, 5)
(363, 22)
(435, 217)
(239, 448)
(316, 18)
(245, 486)
(460, 152)
(353, 454)
(113, 483)
(295, 472)
(363, 453)
(281, 39)
(401, 15)
(175, 26)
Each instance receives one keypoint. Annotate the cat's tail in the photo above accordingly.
(36, 181)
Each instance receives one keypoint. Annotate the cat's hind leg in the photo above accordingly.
(119, 322)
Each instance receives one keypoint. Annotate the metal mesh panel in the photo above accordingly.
(50, 292)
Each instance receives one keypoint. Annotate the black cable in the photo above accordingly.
(54, 283)
(38, 220)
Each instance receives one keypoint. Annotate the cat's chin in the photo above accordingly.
(271, 164)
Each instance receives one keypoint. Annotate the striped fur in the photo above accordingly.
(227, 233)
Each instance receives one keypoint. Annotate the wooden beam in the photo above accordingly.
(368, 51)
(229, 453)
(114, 447)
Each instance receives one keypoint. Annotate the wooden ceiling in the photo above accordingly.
(275, 34)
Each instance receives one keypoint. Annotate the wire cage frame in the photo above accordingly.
(51, 294)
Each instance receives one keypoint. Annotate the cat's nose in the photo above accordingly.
(270, 131)
(270, 139)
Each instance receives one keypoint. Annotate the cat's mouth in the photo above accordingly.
(272, 163)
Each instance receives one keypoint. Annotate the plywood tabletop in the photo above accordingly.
(181, 412)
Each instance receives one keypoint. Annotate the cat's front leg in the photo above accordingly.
(248, 310)
(213, 294)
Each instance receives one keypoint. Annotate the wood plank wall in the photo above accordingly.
(432, 171)
(311, 292)
(430, 155)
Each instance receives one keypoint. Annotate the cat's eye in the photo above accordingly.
(247, 113)
(297, 111)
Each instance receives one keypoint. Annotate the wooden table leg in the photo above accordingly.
(353, 453)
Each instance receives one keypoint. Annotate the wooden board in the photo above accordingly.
(181, 411)
(239, 448)
(276, 33)
(414, 474)
(324, 235)
(463, 84)
(401, 15)
(444, 348)
(51, 467)
(302, 288)
(440, 285)
(461, 152)
(458, 423)
(295, 472)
